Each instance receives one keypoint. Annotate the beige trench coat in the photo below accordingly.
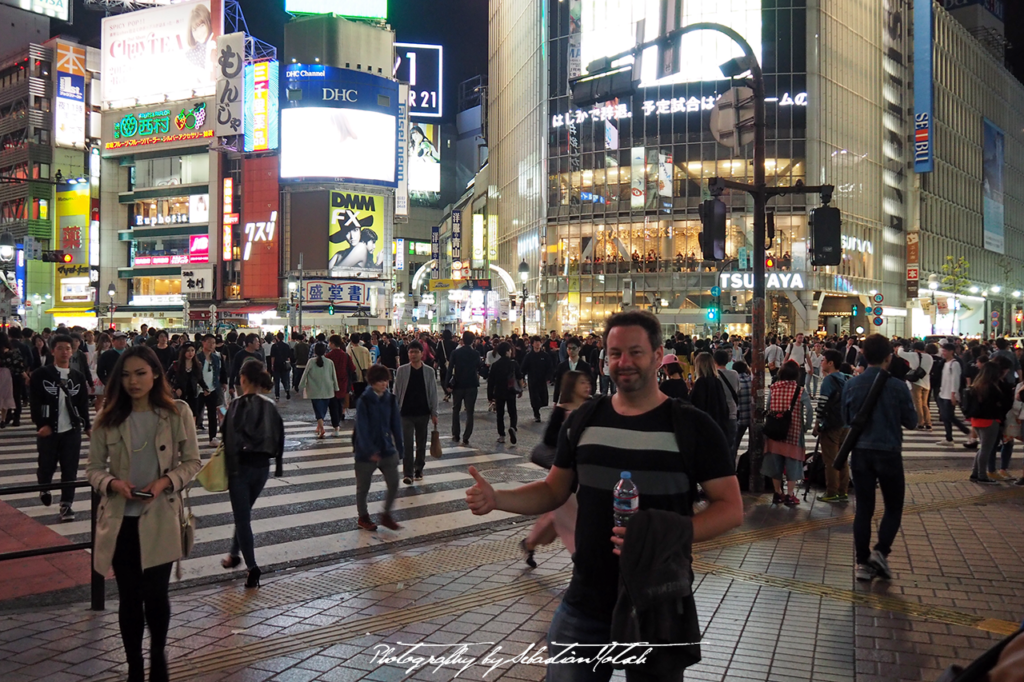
(160, 522)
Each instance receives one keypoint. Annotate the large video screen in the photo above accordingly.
(608, 27)
(317, 142)
(424, 158)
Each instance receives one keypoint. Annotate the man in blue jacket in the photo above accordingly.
(877, 456)
(377, 435)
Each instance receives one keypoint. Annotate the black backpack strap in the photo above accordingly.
(684, 440)
(579, 419)
(735, 395)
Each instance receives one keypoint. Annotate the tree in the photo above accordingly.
(956, 281)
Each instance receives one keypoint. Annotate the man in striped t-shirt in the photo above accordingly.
(631, 432)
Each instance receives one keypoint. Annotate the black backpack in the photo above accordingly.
(776, 424)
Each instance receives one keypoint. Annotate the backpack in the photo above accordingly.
(969, 402)
(918, 372)
(776, 424)
(578, 421)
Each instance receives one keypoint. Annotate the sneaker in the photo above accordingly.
(407, 480)
(993, 477)
(843, 498)
(527, 554)
(878, 562)
(778, 498)
(864, 572)
(946, 443)
(512, 436)
(388, 522)
(418, 476)
(465, 443)
(973, 479)
(215, 442)
(45, 497)
(835, 497)
(66, 514)
(971, 445)
(455, 440)
(791, 501)
(337, 431)
(501, 439)
(1007, 476)
(288, 396)
(536, 420)
(927, 427)
(1020, 481)
(365, 523)
(200, 428)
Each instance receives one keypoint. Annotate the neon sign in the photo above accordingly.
(619, 111)
(229, 207)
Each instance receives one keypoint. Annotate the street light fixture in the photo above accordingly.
(933, 284)
(524, 274)
(111, 292)
(7, 247)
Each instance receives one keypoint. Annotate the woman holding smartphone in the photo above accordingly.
(143, 451)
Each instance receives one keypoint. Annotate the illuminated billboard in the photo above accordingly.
(608, 27)
(362, 9)
(355, 234)
(422, 67)
(160, 54)
(339, 124)
(261, 106)
(69, 105)
(424, 159)
(57, 9)
(71, 233)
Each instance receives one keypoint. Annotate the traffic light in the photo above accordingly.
(712, 237)
(56, 257)
(1019, 317)
(330, 309)
(855, 310)
(769, 262)
(826, 236)
(713, 313)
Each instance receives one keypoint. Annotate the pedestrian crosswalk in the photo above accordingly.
(309, 513)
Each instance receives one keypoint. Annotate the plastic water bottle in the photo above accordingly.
(625, 499)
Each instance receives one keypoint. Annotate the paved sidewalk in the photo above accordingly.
(776, 599)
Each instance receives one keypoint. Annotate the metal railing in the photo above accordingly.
(97, 586)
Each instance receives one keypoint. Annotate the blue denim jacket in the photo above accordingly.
(894, 411)
(378, 426)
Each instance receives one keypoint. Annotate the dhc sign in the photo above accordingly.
(774, 281)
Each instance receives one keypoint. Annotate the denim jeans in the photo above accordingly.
(886, 469)
(606, 384)
(947, 413)
(321, 407)
(388, 466)
(460, 396)
(570, 626)
(985, 460)
(243, 489)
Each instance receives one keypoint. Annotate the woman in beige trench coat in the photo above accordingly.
(143, 451)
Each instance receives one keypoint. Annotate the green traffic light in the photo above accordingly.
(330, 309)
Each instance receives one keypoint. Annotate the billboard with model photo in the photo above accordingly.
(355, 236)
(424, 161)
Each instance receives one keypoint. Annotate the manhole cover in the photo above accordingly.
(292, 444)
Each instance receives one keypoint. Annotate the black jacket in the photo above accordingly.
(465, 362)
(253, 434)
(537, 366)
(280, 355)
(708, 395)
(501, 372)
(655, 602)
(563, 367)
(105, 364)
(187, 382)
(45, 392)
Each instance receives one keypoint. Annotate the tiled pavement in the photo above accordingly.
(776, 599)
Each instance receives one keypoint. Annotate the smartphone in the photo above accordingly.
(689, 377)
(142, 494)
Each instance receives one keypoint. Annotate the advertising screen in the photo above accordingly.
(355, 234)
(165, 51)
(993, 161)
(422, 67)
(69, 106)
(259, 237)
(261, 106)
(363, 9)
(72, 234)
(57, 9)
(340, 124)
(424, 160)
(608, 27)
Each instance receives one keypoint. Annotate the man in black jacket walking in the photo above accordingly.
(465, 381)
(60, 411)
(281, 358)
(538, 368)
(573, 362)
(105, 363)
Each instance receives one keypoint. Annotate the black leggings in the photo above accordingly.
(142, 593)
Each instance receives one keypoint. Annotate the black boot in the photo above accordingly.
(136, 668)
(158, 666)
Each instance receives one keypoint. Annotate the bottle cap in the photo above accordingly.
(626, 475)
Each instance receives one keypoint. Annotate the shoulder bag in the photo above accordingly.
(918, 372)
(776, 424)
(214, 475)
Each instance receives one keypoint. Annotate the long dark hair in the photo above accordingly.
(118, 405)
(988, 378)
(318, 350)
(179, 365)
(569, 381)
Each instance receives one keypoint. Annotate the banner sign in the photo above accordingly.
(71, 234)
(177, 126)
(421, 66)
(638, 180)
(262, 103)
(197, 281)
(69, 104)
(458, 284)
(56, 9)
(402, 160)
(924, 88)
(456, 235)
(435, 252)
(993, 161)
(336, 291)
(356, 234)
(230, 85)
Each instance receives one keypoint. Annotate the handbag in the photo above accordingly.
(435, 444)
(188, 531)
(918, 372)
(776, 424)
(543, 455)
(214, 474)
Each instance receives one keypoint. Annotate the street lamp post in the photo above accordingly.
(111, 292)
(524, 274)
(933, 284)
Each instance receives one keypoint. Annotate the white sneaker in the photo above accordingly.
(215, 442)
(878, 562)
(946, 443)
(337, 432)
(864, 572)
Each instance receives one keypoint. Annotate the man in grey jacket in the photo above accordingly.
(731, 381)
(416, 391)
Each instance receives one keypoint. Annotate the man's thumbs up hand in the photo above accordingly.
(480, 498)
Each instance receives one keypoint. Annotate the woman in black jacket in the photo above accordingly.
(708, 393)
(185, 375)
(991, 398)
(253, 435)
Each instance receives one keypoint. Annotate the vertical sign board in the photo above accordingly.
(402, 162)
(924, 88)
(435, 252)
(230, 85)
(575, 40)
(262, 104)
(259, 240)
(399, 254)
(456, 236)
(72, 236)
(69, 104)
(994, 149)
(230, 219)
(356, 235)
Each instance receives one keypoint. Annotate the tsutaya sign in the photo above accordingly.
(776, 281)
(661, 106)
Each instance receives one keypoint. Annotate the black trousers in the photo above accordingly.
(63, 449)
(297, 377)
(19, 396)
(210, 403)
(280, 377)
(501, 402)
(142, 594)
(336, 406)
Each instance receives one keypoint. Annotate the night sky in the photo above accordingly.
(459, 25)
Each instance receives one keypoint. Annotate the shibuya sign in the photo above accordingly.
(774, 281)
(609, 112)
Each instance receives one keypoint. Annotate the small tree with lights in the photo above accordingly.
(956, 280)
